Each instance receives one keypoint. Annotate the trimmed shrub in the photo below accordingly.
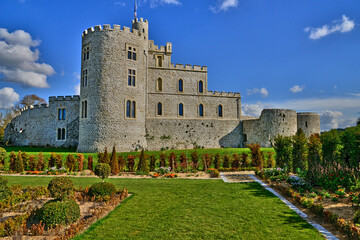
(207, 159)
(143, 166)
(131, 162)
(102, 189)
(2, 155)
(25, 160)
(226, 162)
(3, 181)
(103, 170)
(80, 159)
(32, 163)
(195, 159)
(114, 164)
(236, 161)
(40, 163)
(90, 163)
(105, 157)
(256, 156)
(70, 162)
(300, 150)
(52, 160)
(244, 157)
(214, 173)
(314, 159)
(61, 187)
(18, 165)
(217, 161)
(122, 163)
(162, 159)
(12, 158)
(283, 149)
(4, 190)
(57, 212)
(152, 159)
(58, 161)
(172, 161)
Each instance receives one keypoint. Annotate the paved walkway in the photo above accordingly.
(249, 177)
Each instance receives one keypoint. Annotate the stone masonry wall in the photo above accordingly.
(309, 123)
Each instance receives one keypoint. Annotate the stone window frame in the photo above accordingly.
(86, 52)
(84, 109)
(61, 112)
(218, 111)
(159, 64)
(84, 78)
(61, 134)
(159, 79)
(130, 114)
(131, 77)
(202, 86)
(183, 111)
(182, 86)
(203, 112)
(130, 51)
(161, 109)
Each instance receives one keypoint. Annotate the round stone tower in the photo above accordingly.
(309, 123)
(113, 87)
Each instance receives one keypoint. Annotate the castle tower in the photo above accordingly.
(309, 123)
(113, 87)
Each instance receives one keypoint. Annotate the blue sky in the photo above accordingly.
(303, 55)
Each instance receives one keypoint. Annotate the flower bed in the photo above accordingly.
(338, 208)
(19, 211)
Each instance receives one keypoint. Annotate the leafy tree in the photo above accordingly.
(12, 158)
(80, 159)
(70, 162)
(244, 157)
(236, 161)
(283, 149)
(172, 161)
(103, 170)
(25, 159)
(256, 156)
(40, 163)
(314, 158)
(122, 163)
(90, 163)
(152, 159)
(162, 159)
(350, 151)
(217, 161)
(2, 156)
(18, 166)
(331, 146)
(299, 153)
(32, 163)
(194, 159)
(143, 165)
(105, 157)
(226, 161)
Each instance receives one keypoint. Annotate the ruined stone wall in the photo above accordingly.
(309, 123)
(272, 122)
(37, 125)
(190, 133)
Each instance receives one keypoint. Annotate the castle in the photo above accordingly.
(132, 96)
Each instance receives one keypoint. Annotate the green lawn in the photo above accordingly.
(193, 209)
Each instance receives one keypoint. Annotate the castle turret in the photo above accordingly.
(113, 87)
(309, 123)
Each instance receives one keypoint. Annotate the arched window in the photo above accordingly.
(159, 85)
(201, 87)
(201, 110)
(181, 109)
(220, 111)
(159, 109)
(181, 85)
(128, 108)
(133, 110)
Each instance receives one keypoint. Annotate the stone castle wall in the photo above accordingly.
(309, 123)
(37, 125)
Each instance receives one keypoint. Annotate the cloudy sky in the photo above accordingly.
(303, 55)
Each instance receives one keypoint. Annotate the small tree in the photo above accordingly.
(114, 164)
(172, 161)
(52, 160)
(25, 159)
(226, 161)
(195, 159)
(162, 160)
(256, 156)
(152, 159)
(300, 151)
(80, 159)
(32, 163)
(236, 161)
(19, 167)
(143, 165)
(131, 162)
(2, 156)
(90, 163)
(103, 170)
(40, 163)
(244, 157)
(61, 188)
(217, 161)
(70, 162)
(207, 159)
(122, 163)
(314, 159)
(12, 161)
(105, 157)
(271, 163)
(283, 149)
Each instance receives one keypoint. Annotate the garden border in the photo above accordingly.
(328, 235)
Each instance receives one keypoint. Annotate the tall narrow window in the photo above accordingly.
(132, 53)
(159, 61)
(201, 110)
(133, 110)
(220, 111)
(59, 114)
(128, 108)
(159, 109)
(86, 52)
(201, 87)
(181, 85)
(181, 109)
(84, 109)
(63, 114)
(159, 85)
(131, 77)
(61, 134)
(84, 78)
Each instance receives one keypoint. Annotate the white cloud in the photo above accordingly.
(77, 89)
(354, 94)
(224, 5)
(263, 91)
(344, 25)
(121, 4)
(19, 62)
(155, 3)
(8, 97)
(329, 119)
(297, 88)
(254, 110)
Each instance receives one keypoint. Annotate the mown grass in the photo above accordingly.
(192, 209)
(64, 152)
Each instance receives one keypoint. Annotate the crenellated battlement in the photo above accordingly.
(188, 67)
(66, 98)
(34, 107)
(141, 20)
(107, 27)
(223, 94)
(161, 49)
